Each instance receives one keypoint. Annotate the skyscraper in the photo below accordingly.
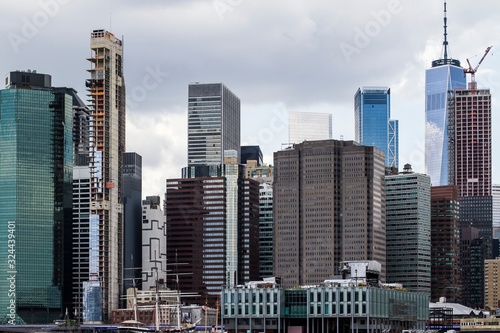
(213, 227)
(35, 197)
(106, 91)
(469, 133)
(266, 234)
(213, 123)
(329, 206)
(445, 244)
(373, 126)
(408, 196)
(473, 253)
(132, 220)
(446, 74)
(309, 126)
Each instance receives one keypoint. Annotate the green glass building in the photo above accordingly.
(35, 197)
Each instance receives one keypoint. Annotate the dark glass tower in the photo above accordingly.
(132, 220)
(35, 197)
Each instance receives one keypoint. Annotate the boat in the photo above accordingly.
(134, 326)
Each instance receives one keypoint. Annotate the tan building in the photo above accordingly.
(329, 206)
(491, 282)
(106, 93)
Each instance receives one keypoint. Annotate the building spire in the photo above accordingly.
(445, 40)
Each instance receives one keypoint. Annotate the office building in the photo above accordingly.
(35, 207)
(132, 220)
(408, 212)
(329, 206)
(266, 230)
(154, 242)
(495, 192)
(474, 251)
(445, 75)
(213, 229)
(251, 153)
(445, 244)
(106, 92)
(309, 126)
(213, 123)
(373, 126)
(491, 281)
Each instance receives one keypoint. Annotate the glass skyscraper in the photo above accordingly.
(35, 197)
(445, 75)
(213, 123)
(441, 78)
(309, 126)
(373, 126)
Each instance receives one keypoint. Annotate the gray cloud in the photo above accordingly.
(273, 55)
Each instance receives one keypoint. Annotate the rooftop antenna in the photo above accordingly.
(445, 41)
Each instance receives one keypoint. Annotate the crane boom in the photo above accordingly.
(472, 71)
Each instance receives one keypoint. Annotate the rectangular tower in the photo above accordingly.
(213, 227)
(213, 123)
(309, 126)
(35, 198)
(408, 213)
(106, 91)
(329, 206)
(132, 217)
(373, 126)
(445, 241)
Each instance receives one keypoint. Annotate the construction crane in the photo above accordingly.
(472, 71)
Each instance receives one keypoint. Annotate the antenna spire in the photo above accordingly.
(445, 41)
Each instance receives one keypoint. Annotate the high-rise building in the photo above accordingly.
(373, 126)
(491, 282)
(35, 206)
(266, 230)
(469, 132)
(495, 192)
(213, 123)
(309, 126)
(445, 244)
(445, 75)
(473, 253)
(408, 196)
(213, 228)
(106, 91)
(251, 153)
(154, 242)
(329, 206)
(132, 220)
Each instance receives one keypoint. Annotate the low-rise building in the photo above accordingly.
(347, 304)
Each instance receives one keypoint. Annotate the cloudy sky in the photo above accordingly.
(277, 56)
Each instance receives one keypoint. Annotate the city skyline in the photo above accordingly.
(303, 53)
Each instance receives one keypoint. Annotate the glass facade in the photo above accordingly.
(309, 126)
(213, 123)
(266, 230)
(372, 124)
(35, 201)
(408, 213)
(323, 309)
(438, 81)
